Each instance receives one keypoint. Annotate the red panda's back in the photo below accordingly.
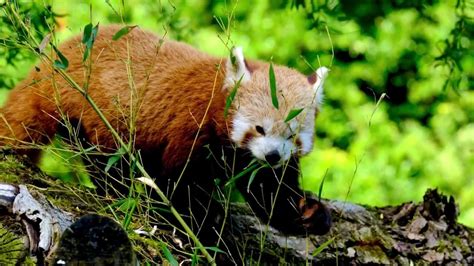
(165, 88)
(160, 91)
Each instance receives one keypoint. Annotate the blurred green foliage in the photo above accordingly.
(418, 53)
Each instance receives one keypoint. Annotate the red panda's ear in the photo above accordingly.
(236, 69)
(317, 80)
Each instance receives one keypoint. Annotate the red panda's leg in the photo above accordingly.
(25, 125)
(291, 210)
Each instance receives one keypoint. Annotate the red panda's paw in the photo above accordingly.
(315, 217)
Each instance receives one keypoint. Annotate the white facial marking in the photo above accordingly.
(267, 124)
(240, 126)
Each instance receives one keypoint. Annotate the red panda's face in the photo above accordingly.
(270, 138)
(260, 127)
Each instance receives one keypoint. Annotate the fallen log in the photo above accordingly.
(35, 210)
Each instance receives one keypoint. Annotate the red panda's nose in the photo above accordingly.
(273, 157)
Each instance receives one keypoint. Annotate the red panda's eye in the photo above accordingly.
(260, 130)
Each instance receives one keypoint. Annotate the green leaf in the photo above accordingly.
(323, 246)
(87, 33)
(86, 55)
(130, 209)
(114, 159)
(169, 257)
(122, 32)
(62, 63)
(293, 113)
(239, 175)
(252, 176)
(88, 38)
(230, 98)
(94, 32)
(125, 204)
(273, 87)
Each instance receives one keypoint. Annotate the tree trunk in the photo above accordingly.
(422, 233)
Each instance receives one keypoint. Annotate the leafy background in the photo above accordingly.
(399, 111)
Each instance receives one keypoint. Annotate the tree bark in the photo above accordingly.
(422, 233)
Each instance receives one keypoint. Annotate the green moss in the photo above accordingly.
(15, 169)
(12, 250)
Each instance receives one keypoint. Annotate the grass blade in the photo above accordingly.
(215, 249)
(194, 258)
(169, 257)
(273, 87)
(323, 246)
(293, 113)
(122, 32)
(130, 206)
(321, 185)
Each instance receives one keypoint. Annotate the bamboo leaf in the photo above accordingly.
(273, 88)
(239, 175)
(114, 159)
(293, 113)
(122, 32)
(230, 98)
(87, 33)
(252, 176)
(88, 38)
(62, 63)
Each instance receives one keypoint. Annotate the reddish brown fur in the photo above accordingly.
(175, 97)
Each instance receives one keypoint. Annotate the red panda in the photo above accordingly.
(180, 93)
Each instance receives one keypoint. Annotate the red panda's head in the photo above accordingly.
(268, 132)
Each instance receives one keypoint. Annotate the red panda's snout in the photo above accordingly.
(275, 150)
